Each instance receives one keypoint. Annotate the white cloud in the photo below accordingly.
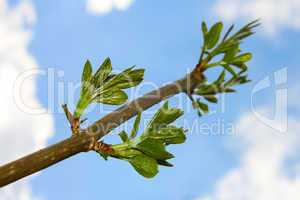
(100, 7)
(274, 14)
(268, 169)
(20, 133)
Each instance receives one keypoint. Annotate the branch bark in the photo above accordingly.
(44, 158)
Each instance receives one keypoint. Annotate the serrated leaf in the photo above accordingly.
(102, 73)
(136, 125)
(86, 88)
(124, 137)
(154, 148)
(163, 117)
(213, 36)
(169, 135)
(84, 100)
(128, 78)
(144, 165)
(112, 97)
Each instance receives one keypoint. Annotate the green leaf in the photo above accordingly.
(169, 135)
(102, 73)
(136, 125)
(231, 53)
(83, 102)
(204, 28)
(163, 117)
(87, 72)
(86, 87)
(124, 137)
(228, 32)
(204, 31)
(229, 90)
(230, 70)
(237, 81)
(213, 35)
(225, 46)
(144, 165)
(211, 89)
(103, 155)
(128, 78)
(112, 97)
(242, 58)
(164, 163)
(202, 106)
(221, 78)
(154, 148)
(211, 98)
(241, 66)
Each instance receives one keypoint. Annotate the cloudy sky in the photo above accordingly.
(248, 153)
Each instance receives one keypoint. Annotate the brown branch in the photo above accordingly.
(44, 158)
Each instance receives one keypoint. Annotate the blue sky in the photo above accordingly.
(164, 38)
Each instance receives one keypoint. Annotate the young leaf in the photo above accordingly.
(203, 107)
(211, 98)
(230, 54)
(221, 78)
(102, 73)
(128, 78)
(230, 70)
(228, 32)
(169, 135)
(204, 31)
(242, 58)
(163, 117)
(164, 163)
(124, 137)
(112, 97)
(229, 90)
(86, 87)
(204, 28)
(144, 165)
(237, 81)
(87, 72)
(211, 89)
(241, 66)
(154, 148)
(213, 35)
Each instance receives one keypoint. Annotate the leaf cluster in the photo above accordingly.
(228, 46)
(209, 91)
(233, 61)
(147, 151)
(104, 86)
